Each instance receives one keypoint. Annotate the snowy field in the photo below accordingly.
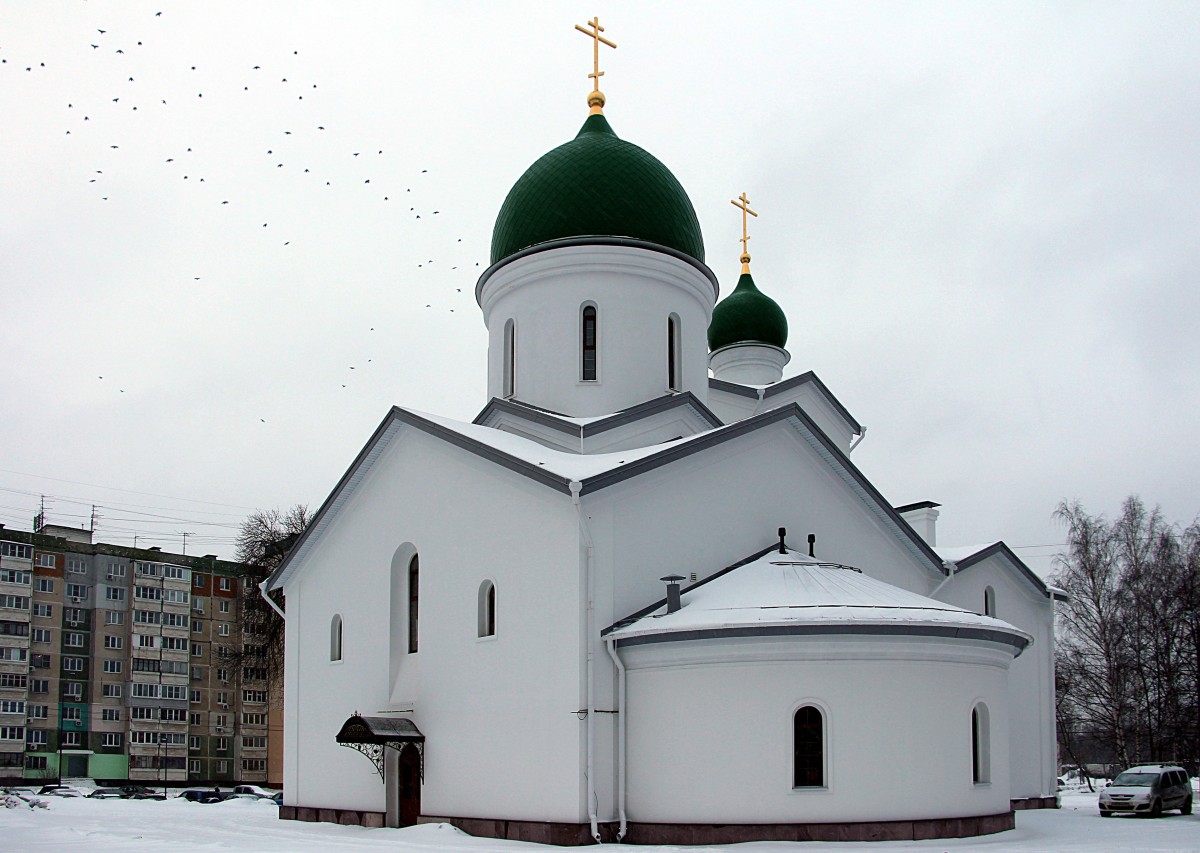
(108, 826)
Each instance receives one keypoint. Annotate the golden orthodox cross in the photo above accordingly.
(596, 98)
(743, 204)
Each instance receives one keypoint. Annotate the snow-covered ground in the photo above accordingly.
(104, 826)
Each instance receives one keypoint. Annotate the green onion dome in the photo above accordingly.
(747, 316)
(597, 185)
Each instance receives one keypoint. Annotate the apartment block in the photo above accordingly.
(130, 664)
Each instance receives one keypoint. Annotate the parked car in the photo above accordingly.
(1148, 789)
(60, 791)
(253, 791)
(141, 792)
(278, 798)
(204, 795)
(106, 794)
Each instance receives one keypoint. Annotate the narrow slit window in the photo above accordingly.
(588, 338)
(510, 359)
(414, 595)
(808, 743)
(989, 602)
(673, 360)
(335, 638)
(981, 757)
(487, 609)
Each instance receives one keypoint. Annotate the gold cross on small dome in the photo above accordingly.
(743, 204)
(596, 98)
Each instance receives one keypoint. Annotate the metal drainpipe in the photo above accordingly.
(262, 590)
(593, 818)
(611, 645)
(950, 568)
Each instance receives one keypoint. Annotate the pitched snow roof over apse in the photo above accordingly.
(792, 594)
(589, 473)
(966, 556)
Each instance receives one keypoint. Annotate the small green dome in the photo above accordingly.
(747, 316)
(597, 185)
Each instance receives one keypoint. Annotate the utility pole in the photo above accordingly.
(185, 534)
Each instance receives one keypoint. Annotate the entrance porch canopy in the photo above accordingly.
(372, 735)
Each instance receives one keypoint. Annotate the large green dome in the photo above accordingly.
(597, 185)
(747, 316)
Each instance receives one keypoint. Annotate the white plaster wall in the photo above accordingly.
(496, 713)
(635, 291)
(731, 408)
(711, 742)
(1033, 750)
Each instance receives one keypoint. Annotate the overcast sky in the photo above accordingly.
(233, 234)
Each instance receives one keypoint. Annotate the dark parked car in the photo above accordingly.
(204, 795)
(141, 792)
(106, 794)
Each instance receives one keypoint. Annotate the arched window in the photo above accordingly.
(509, 383)
(487, 609)
(414, 594)
(808, 746)
(587, 340)
(674, 363)
(981, 746)
(989, 602)
(335, 637)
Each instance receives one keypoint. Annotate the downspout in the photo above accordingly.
(612, 652)
(262, 590)
(950, 568)
(857, 441)
(585, 534)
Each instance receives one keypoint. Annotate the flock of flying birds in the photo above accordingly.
(141, 92)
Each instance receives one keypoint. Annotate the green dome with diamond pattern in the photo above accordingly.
(597, 185)
(747, 316)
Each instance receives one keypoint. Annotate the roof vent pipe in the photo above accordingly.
(812, 544)
(782, 545)
(672, 582)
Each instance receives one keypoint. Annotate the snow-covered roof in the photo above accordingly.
(795, 594)
(966, 556)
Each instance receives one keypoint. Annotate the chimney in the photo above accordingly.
(672, 582)
(812, 544)
(782, 544)
(922, 517)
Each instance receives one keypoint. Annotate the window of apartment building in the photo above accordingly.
(12, 706)
(111, 690)
(173, 715)
(176, 596)
(45, 611)
(72, 738)
(222, 767)
(12, 733)
(144, 665)
(197, 605)
(42, 635)
(12, 549)
(174, 691)
(35, 762)
(77, 565)
(44, 585)
(254, 696)
(149, 570)
(20, 576)
(114, 593)
(254, 765)
(222, 697)
(73, 691)
(74, 615)
(175, 644)
(147, 593)
(225, 584)
(254, 742)
(223, 629)
(175, 620)
(110, 715)
(194, 742)
(197, 673)
(194, 698)
(197, 580)
(114, 617)
(40, 661)
(45, 561)
(14, 602)
(14, 655)
(37, 738)
(111, 641)
(221, 744)
(72, 715)
(111, 665)
(197, 626)
(36, 685)
(39, 712)
(224, 606)
(77, 590)
(112, 739)
(254, 719)
(197, 650)
(72, 664)
(116, 570)
(140, 737)
(223, 675)
(13, 680)
(74, 640)
(194, 718)
(147, 617)
(9, 628)
(175, 572)
(254, 673)
(141, 712)
(146, 641)
(144, 691)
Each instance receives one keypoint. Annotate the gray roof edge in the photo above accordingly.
(1014, 640)
(918, 505)
(597, 240)
(652, 407)
(542, 417)
(806, 378)
(1001, 549)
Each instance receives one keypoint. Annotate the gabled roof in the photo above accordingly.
(567, 472)
(588, 427)
(972, 555)
(795, 595)
(768, 391)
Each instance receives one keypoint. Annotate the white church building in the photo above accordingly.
(646, 595)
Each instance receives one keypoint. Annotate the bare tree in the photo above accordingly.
(265, 539)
